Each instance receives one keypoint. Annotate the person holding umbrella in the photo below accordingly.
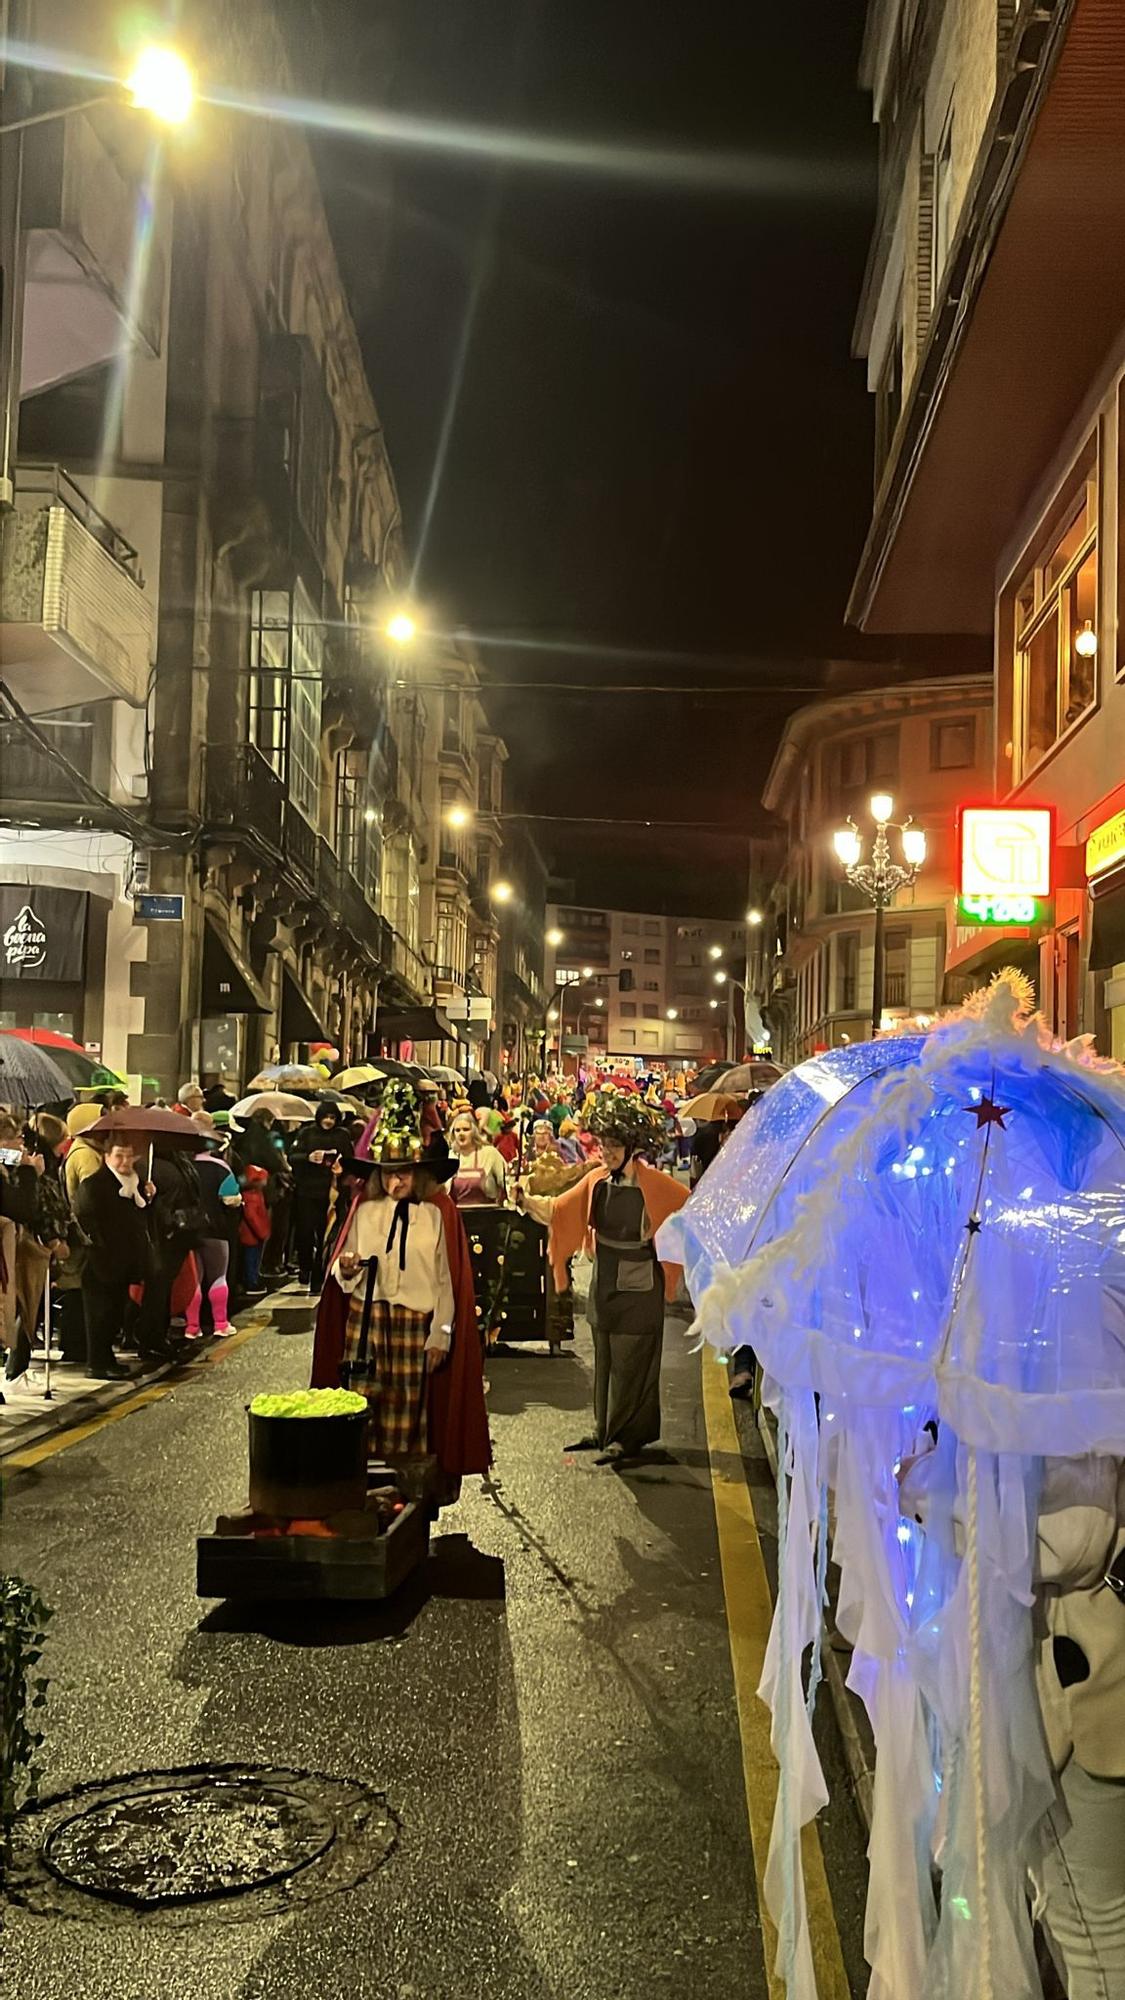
(112, 1207)
(315, 1149)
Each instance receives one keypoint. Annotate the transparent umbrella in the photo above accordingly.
(923, 1241)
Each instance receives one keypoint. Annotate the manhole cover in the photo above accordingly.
(185, 1844)
(215, 1840)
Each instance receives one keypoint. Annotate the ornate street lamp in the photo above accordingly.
(881, 878)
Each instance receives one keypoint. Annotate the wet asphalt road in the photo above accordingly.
(550, 1713)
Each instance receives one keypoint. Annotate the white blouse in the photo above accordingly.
(424, 1285)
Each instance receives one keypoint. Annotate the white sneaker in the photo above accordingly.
(30, 1383)
(221, 1332)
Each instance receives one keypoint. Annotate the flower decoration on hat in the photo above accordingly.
(397, 1139)
(615, 1114)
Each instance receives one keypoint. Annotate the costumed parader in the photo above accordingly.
(922, 1239)
(397, 1318)
(614, 1212)
(479, 1171)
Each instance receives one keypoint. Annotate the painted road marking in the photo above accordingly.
(749, 1613)
(23, 1461)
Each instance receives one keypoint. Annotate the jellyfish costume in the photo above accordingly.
(922, 1238)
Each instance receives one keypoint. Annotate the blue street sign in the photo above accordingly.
(150, 909)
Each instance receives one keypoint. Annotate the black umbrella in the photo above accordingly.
(28, 1078)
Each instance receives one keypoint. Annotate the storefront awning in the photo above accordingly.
(300, 1021)
(415, 1024)
(229, 984)
(1107, 922)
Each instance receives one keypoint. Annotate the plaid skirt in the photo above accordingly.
(386, 1362)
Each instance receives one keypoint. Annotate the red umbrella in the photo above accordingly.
(45, 1038)
(146, 1122)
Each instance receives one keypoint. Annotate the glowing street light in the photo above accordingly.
(712, 1004)
(754, 918)
(672, 1014)
(161, 84)
(501, 892)
(714, 951)
(458, 816)
(401, 628)
(552, 1014)
(599, 1002)
(587, 972)
(554, 937)
(881, 878)
(720, 979)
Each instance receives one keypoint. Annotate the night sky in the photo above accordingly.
(655, 439)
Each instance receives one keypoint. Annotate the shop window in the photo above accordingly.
(1055, 618)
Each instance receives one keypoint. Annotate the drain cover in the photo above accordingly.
(214, 1840)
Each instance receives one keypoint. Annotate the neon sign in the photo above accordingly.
(1005, 852)
(999, 910)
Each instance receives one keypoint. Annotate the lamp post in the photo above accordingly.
(881, 878)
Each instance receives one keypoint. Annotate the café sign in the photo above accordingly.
(42, 932)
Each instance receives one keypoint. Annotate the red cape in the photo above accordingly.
(457, 1419)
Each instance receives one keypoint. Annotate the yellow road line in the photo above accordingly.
(23, 1461)
(749, 1612)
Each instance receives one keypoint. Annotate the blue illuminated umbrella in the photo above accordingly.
(923, 1240)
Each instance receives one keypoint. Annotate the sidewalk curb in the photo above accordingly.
(847, 1706)
(56, 1417)
(79, 1409)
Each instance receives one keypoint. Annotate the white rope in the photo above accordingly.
(976, 1733)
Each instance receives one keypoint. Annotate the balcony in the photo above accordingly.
(894, 989)
(75, 624)
(30, 776)
(88, 297)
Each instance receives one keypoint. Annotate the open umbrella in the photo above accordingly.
(756, 1075)
(146, 1122)
(289, 1110)
(29, 1077)
(373, 1072)
(81, 1070)
(714, 1105)
(923, 1240)
(298, 1077)
(441, 1073)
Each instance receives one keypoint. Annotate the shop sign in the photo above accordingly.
(1106, 845)
(1005, 851)
(158, 909)
(1000, 910)
(42, 932)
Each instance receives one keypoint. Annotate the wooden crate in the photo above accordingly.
(233, 1562)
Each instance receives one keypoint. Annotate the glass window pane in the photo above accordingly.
(1040, 663)
(1081, 630)
(1067, 545)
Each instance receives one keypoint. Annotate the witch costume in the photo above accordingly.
(411, 1295)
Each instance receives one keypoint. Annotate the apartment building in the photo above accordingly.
(633, 985)
(929, 745)
(225, 793)
(993, 328)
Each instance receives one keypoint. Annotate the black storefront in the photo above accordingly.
(48, 939)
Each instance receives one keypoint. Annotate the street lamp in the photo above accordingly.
(501, 892)
(881, 878)
(401, 628)
(714, 951)
(554, 937)
(672, 1014)
(720, 978)
(753, 918)
(160, 83)
(458, 816)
